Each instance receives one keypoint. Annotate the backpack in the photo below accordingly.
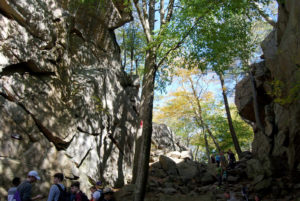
(63, 195)
(17, 196)
(84, 197)
(101, 198)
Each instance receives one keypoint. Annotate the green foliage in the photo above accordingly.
(99, 105)
(89, 1)
(132, 43)
(219, 125)
(281, 96)
(178, 113)
(227, 31)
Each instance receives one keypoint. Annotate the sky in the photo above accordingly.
(213, 85)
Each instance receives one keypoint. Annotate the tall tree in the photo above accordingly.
(216, 48)
(146, 13)
(220, 42)
(229, 118)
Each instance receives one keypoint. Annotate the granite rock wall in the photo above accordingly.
(66, 105)
(277, 80)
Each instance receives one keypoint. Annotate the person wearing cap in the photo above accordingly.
(57, 187)
(108, 194)
(97, 194)
(24, 189)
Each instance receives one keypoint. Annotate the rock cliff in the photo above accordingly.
(65, 103)
(277, 81)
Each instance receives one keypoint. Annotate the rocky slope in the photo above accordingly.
(175, 176)
(65, 103)
(276, 147)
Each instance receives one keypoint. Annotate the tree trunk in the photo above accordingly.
(132, 48)
(206, 145)
(131, 61)
(136, 66)
(255, 103)
(212, 137)
(124, 41)
(146, 116)
(229, 119)
(147, 20)
(196, 153)
(199, 118)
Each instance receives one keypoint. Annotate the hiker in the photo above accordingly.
(223, 161)
(92, 189)
(57, 188)
(212, 159)
(219, 175)
(99, 187)
(79, 195)
(231, 159)
(24, 189)
(108, 194)
(224, 175)
(245, 192)
(257, 198)
(230, 196)
(71, 195)
(11, 192)
(95, 194)
(218, 159)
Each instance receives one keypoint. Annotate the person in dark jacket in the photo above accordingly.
(108, 194)
(24, 189)
(231, 159)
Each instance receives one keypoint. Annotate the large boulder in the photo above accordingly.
(168, 165)
(188, 170)
(66, 104)
(163, 138)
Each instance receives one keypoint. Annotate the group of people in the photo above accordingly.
(58, 192)
(223, 165)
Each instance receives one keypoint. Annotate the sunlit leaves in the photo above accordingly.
(178, 112)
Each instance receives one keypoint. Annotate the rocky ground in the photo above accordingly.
(175, 176)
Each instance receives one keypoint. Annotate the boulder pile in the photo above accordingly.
(175, 176)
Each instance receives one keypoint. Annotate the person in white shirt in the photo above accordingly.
(95, 194)
(97, 191)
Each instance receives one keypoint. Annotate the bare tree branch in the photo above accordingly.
(170, 11)
(162, 13)
(265, 16)
(179, 43)
(145, 8)
(151, 15)
(144, 19)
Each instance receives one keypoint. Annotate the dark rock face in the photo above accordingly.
(278, 87)
(65, 103)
